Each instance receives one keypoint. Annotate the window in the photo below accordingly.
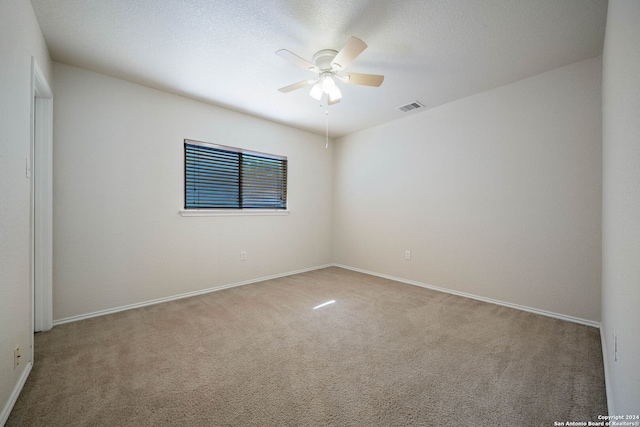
(219, 177)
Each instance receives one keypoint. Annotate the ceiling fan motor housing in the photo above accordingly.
(322, 58)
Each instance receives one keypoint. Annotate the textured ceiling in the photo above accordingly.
(222, 52)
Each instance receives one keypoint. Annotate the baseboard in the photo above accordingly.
(290, 273)
(4, 416)
(607, 384)
(181, 296)
(479, 298)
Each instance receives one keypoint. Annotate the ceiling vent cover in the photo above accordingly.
(411, 106)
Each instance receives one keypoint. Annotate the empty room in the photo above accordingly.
(305, 213)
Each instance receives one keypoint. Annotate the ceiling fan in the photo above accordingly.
(327, 63)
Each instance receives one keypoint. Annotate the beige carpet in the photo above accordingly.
(384, 354)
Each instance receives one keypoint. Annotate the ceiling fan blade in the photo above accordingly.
(333, 101)
(298, 85)
(364, 79)
(348, 53)
(295, 59)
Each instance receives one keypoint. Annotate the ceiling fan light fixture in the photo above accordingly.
(335, 95)
(316, 91)
(328, 84)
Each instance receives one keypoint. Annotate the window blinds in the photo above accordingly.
(219, 177)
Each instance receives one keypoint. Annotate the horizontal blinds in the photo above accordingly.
(219, 178)
(263, 182)
(211, 178)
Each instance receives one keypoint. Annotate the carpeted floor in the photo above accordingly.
(384, 354)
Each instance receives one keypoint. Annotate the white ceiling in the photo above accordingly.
(222, 52)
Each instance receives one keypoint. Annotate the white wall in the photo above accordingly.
(621, 205)
(118, 187)
(20, 39)
(497, 195)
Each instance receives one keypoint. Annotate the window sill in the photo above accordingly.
(232, 212)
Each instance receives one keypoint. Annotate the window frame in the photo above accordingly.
(240, 210)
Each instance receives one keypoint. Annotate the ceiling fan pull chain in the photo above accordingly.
(326, 113)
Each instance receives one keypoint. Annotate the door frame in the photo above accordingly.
(41, 200)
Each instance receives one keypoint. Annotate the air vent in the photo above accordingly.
(411, 106)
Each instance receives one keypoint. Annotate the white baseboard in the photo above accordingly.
(372, 273)
(4, 416)
(479, 298)
(605, 362)
(180, 296)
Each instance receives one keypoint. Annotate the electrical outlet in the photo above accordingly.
(16, 357)
(243, 255)
(407, 255)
